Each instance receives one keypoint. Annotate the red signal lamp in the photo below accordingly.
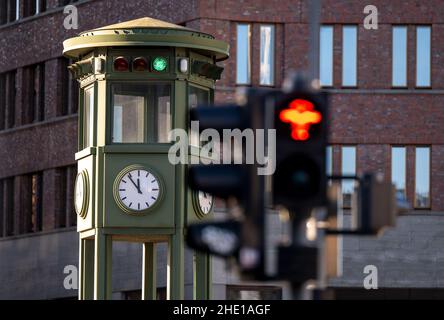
(140, 64)
(121, 64)
(301, 114)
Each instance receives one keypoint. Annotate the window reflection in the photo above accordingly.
(329, 161)
(267, 55)
(17, 9)
(423, 56)
(243, 54)
(141, 113)
(399, 56)
(326, 56)
(399, 169)
(349, 55)
(88, 117)
(128, 118)
(348, 168)
(196, 96)
(422, 177)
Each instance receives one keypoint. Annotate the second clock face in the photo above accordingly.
(79, 194)
(205, 201)
(138, 189)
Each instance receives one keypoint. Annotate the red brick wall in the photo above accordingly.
(372, 116)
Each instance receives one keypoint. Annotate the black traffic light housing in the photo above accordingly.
(239, 181)
(300, 120)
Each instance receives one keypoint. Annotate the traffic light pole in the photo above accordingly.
(302, 250)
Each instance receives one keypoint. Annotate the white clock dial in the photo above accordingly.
(138, 189)
(205, 201)
(80, 194)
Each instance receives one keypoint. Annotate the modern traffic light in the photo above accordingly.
(374, 206)
(301, 140)
(245, 236)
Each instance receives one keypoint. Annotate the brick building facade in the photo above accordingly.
(38, 128)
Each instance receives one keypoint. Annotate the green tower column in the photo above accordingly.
(86, 269)
(149, 271)
(102, 266)
(202, 276)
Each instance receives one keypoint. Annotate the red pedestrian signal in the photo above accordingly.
(301, 114)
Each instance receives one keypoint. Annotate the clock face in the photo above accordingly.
(80, 194)
(205, 202)
(138, 189)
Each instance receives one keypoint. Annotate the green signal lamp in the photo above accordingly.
(160, 64)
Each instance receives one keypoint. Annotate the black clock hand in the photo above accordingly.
(137, 187)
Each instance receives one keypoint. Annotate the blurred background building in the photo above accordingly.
(387, 89)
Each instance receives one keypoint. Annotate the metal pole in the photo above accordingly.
(314, 21)
(298, 219)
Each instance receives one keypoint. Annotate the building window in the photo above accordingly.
(36, 202)
(7, 207)
(399, 56)
(399, 169)
(326, 56)
(70, 90)
(88, 116)
(64, 199)
(40, 6)
(34, 7)
(17, 9)
(7, 100)
(3, 12)
(267, 56)
(423, 56)
(329, 161)
(422, 177)
(141, 113)
(243, 54)
(348, 168)
(2, 100)
(9, 11)
(349, 55)
(34, 97)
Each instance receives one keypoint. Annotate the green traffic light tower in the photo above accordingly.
(138, 79)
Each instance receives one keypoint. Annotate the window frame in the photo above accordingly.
(110, 110)
(82, 135)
